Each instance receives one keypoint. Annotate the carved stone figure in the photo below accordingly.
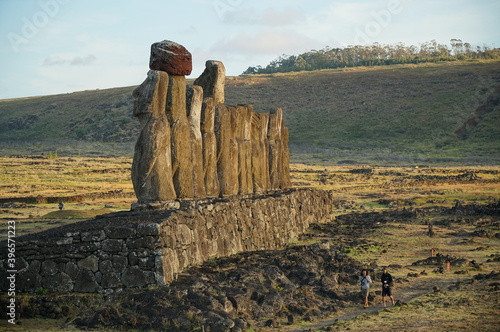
(182, 165)
(212, 81)
(152, 163)
(212, 186)
(194, 104)
(191, 145)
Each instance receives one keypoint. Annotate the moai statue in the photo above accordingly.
(152, 163)
(275, 147)
(194, 105)
(227, 150)
(209, 139)
(177, 62)
(286, 181)
(212, 81)
(260, 152)
(243, 138)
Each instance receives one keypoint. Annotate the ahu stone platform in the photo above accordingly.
(150, 248)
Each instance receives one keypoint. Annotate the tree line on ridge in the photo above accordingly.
(376, 55)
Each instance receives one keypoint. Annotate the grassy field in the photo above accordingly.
(400, 115)
(91, 186)
(464, 303)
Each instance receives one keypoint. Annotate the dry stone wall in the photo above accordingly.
(191, 145)
(149, 248)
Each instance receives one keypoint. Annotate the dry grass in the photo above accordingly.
(357, 190)
(62, 176)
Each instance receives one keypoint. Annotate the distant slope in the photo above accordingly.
(401, 114)
(392, 114)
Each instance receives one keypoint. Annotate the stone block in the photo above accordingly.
(35, 266)
(134, 277)
(119, 232)
(105, 266)
(133, 259)
(146, 264)
(85, 282)
(93, 236)
(111, 280)
(89, 263)
(61, 282)
(88, 247)
(48, 268)
(119, 262)
(63, 241)
(113, 245)
(148, 229)
(25, 281)
(147, 242)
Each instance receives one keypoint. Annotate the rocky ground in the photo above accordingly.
(310, 281)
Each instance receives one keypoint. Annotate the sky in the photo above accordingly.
(62, 46)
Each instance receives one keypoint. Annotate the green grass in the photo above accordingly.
(387, 115)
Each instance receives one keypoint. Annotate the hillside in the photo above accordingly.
(399, 114)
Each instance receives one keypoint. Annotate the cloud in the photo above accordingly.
(263, 17)
(66, 59)
(267, 41)
(83, 61)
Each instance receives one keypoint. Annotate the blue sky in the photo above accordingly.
(60, 46)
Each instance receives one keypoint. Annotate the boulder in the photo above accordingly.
(171, 57)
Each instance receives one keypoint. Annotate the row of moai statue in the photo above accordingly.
(191, 145)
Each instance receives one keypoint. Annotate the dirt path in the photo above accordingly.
(402, 293)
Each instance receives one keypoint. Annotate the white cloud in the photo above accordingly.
(263, 17)
(68, 59)
(266, 41)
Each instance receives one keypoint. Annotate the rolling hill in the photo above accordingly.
(426, 114)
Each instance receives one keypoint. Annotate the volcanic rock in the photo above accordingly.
(171, 57)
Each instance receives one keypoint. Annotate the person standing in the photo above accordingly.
(364, 282)
(387, 284)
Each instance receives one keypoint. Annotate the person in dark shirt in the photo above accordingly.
(387, 284)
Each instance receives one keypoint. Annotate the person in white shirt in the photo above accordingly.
(364, 282)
